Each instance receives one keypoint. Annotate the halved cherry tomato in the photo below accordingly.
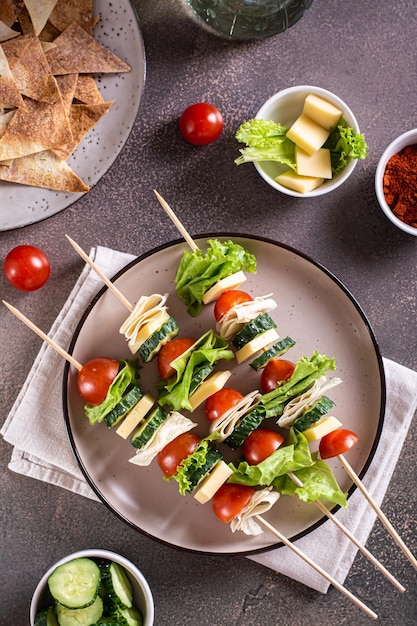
(176, 451)
(220, 402)
(260, 444)
(229, 299)
(201, 123)
(230, 499)
(276, 371)
(95, 378)
(337, 442)
(26, 268)
(169, 352)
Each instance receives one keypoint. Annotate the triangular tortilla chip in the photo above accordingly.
(15, 48)
(68, 11)
(9, 91)
(82, 118)
(87, 91)
(7, 33)
(33, 75)
(7, 12)
(39, 127)
(39, 11)
(78, 52)
(66, 85)
(45, 170)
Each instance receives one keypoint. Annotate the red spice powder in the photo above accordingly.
(400, 184)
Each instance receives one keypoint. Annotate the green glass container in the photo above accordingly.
(247, 19)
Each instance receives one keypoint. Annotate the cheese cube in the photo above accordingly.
(213, 482)
(321, 111)
(317, 164)
(307, 134)
(302, 184)
(229, 282)
(135, 416)
(216, 382)
(260, 342)
(321, 428)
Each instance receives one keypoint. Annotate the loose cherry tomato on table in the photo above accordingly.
(260, 444)
(26, 268)
(169, 352)
(220, 402)
(229, 500)
(276, 371)
(95, 378)
(337, 442)
(228, 300)
(201, 123)
(176, 451)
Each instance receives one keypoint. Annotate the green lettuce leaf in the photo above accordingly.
(209, 349)
(126, 375)
(318, 481)
(198, 272)
(192, 463)
(344, 144)
(306, 371)
(293, 455)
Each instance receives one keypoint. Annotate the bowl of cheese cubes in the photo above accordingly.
(308, 141)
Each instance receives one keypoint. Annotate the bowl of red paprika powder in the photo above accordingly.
(396, 182)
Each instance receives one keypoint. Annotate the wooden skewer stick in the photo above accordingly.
(378, 511)
(98, 271)
(316, 567)
(176, 221)
(41, 334)
(352, 538)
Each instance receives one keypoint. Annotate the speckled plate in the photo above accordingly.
(314, 308)
(119, 31)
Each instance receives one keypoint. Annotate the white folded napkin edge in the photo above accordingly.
(42, 451)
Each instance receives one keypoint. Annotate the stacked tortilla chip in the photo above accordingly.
(48, 96)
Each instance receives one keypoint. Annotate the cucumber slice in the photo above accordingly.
(80, 617)
(247, 424)
(316, 412)
(212, 458)
(46, 617)
(75, 584)
(259, 325)
(117, 584)
(150, 348)
(147, 429)
(123, 407)
(200, 375)
(273, 352)
(129, 617)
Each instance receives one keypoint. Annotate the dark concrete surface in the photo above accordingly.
(366, 53)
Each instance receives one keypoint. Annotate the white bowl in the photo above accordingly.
(406, 139)
(285, 107)
(142, 594)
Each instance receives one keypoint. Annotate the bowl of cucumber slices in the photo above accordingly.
(92, 587)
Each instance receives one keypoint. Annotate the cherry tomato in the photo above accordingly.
(230, 499)
(337, 442)
(95, 378)
(276, 371)
(26, 268)
(220, 402)
(176, 451)
(169, 352)
(260, 444)
(229, 299)
(201, 123)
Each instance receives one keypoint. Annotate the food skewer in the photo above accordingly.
(316, 567)
(176, 221)
(99, 272)
(352, 538)
(43, 336)
(348, 442)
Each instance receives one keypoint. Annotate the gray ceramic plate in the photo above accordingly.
(21, 205)
(314, 308)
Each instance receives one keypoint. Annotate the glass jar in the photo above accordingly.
(247, 19)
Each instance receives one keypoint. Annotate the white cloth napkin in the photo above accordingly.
(35, 428)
